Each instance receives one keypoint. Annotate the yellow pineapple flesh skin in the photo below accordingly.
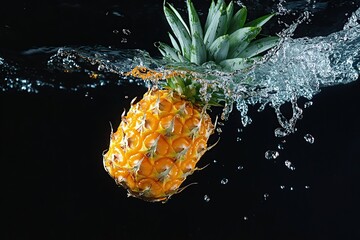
(157, 145)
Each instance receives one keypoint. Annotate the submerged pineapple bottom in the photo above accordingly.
(157, 145)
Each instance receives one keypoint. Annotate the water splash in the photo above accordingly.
(298, 68)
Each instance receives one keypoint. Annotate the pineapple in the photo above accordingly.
(163, 136)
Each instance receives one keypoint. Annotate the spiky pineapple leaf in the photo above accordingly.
(210, 15)
(179, 17)
(259, 22)
(219, 48)
(168, 51)
(195, 25)
(229, 14)
(238, 20)
(217, 27)
(197, 50)
(174, 42)
(259, 46)
(240, 39)
(179, 29)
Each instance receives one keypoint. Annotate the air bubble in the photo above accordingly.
(270, 154)
(266, 196)
(126, 31)
(308, 104)
(309, 138)
(280, 146)
(206, 198)
(289, 165)
(224, 181)
(281, 132)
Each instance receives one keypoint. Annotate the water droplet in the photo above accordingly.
(309, 138)
(219, 130)
(245, 218)
(220, 123)
(126, 31)
(281, 132)
(123, 40)
(239, 3)
(238, 139)
(240, 129)
(240, 167)
(215, 161)
(115, 31)
(270, 154)
(206, 198)
(280, 146)
(266, 196)
(308, 104)
(291, 188)
(307, 187)
(224, 181)
(282, 187)
(289, 165)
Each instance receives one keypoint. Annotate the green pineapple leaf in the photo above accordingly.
(229, 14)
(218, 51)
(259, 46)
(195, 25)
(179, 29)
(217, 26)
(197, 50)
(174, 42)
(238, 20)
(210, 15)
(240, 39)
(259, 22)
(168, 51)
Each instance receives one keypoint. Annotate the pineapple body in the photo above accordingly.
(157, 145)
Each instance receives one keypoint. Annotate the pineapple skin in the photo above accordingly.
(157, 145)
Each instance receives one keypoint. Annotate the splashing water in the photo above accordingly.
(297, 68)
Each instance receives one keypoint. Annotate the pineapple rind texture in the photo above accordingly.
(157, 145)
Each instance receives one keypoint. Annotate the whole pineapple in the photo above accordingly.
(160, 140)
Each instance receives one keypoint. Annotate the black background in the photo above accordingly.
(51, 144)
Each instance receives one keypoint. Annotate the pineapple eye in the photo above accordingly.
(151, 122)
(166, 168)
(165, 105)
(132, 139)
(180, 145)
(143, 70)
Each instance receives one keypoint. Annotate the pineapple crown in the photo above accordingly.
(226, 38)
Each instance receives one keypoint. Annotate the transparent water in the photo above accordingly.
(298, 68)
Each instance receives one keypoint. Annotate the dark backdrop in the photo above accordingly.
(51, 144)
